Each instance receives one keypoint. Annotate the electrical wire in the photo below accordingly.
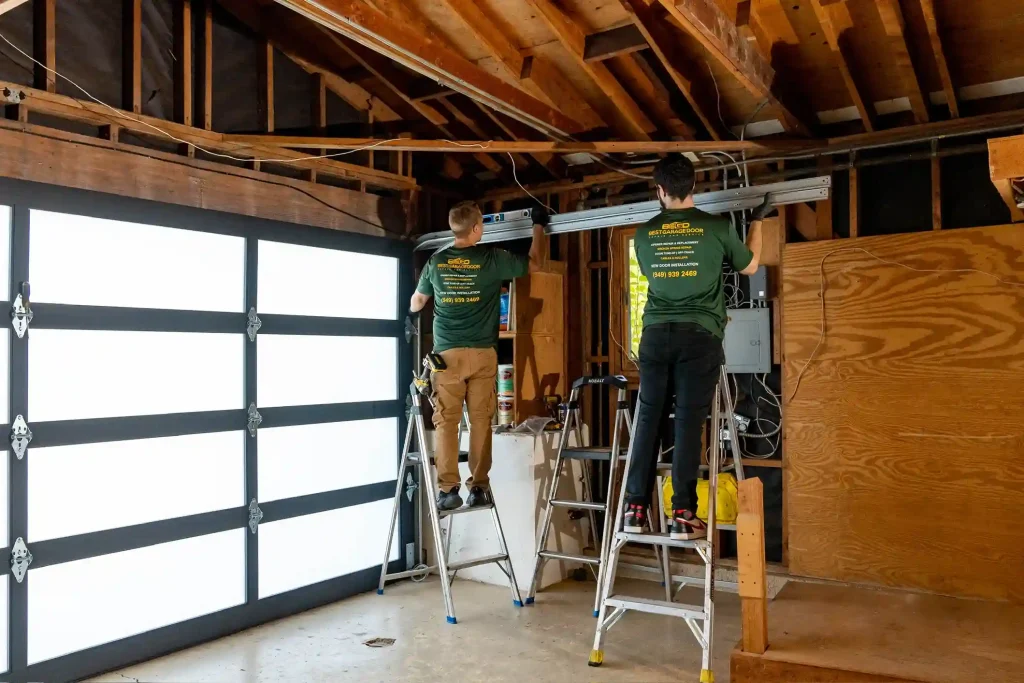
(824, 281)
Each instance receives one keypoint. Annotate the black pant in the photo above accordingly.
(691, 356)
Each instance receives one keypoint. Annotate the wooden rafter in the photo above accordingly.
(930, 20)
(834, 20)
(204, 65)
(7, 5)
(572, 37)
(265, 84)
(552, 163)
(895, 29)
(489, 162)
(651, 93)
(613, 42)
(183, 61)
(131, 55)
(363, 24)
(44, 43)
(706, 22)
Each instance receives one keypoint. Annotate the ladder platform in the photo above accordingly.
(568, 557)
(576, 504)
(466, 564)
(604, 454)
(672, 609)
(661, 539)
(462, 510)
(414, 456)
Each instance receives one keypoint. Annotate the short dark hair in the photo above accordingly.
(676, 176)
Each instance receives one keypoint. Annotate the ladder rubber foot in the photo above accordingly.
(707, 676)
(596, 613)
(597, 658)
(529, 601)
(380, 591)
(517, 603)
(451, 620)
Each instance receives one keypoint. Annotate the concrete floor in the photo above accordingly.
(493, 641)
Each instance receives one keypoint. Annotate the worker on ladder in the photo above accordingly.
(681, 252)
(466, 281)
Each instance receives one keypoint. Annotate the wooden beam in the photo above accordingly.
(265, 84)
(613, 42)
(543, 78)
(651, 94)
(353, 94)
(491, 164)
(552, 163)
(931, 22)
(623, 109)
(496, 39)
(854, 202)
(7, 5)
(895, 29)
(183, 61)
(204, 66)
(936, 193)
(44, 43)
(753, 578)
(131, 55)
(375, 30)
(834, 20)
(705, 21)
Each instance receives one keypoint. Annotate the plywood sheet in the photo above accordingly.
(904, 439)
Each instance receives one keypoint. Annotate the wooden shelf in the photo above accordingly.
(507, 334)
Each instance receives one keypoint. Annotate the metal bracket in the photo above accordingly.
(255, 515)
(254, 324)
(255, 419)
(21, 435)
(410, 486)
(21, 311)
(21, 558)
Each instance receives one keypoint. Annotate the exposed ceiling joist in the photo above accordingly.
(651, 93)
(706, 22)
(895, 29)
(543, 76)
(365, 25)
(613, 42)
(834, 18)
(554, 164)
(623, 108)
(7, 5)
(930, 20)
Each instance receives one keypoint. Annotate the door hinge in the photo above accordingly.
(255, 419)
(253, 325)
(410, 486)
(21, 311)
(21, 558)
(255, 515)
(21, 435)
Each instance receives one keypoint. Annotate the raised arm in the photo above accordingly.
(754, 238)
(540, 221)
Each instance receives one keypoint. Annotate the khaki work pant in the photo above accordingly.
(471, 378)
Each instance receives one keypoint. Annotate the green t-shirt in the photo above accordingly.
(681, 252)
(466, 286)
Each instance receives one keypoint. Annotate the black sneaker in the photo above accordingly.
(479, 497)
(686, 526)
(449, 500)
(634, 519)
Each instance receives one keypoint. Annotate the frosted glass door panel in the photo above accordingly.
(4, 659)
(75, 374)
(76, 605)
(304, 459)
(83, 488)
(100, 262)
(296, 370)
(5, 252)
(333, 543)
(298, 280)
(5, 363)
(5, 479)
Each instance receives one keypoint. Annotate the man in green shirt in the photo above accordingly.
(465, 281)
(681, 252)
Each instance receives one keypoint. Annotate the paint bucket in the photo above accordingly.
(506, 385)
(506, 410)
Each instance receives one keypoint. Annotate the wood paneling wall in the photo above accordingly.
(905, 438)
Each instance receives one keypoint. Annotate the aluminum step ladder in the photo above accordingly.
(423, 459)
(588, 501)
(700, 618)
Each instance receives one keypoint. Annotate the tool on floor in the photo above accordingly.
(423, 459)
(614, 606)
(587, 501)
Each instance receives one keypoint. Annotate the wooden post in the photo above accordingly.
(44, 43)
(936, 188)
(265, 85)
(204, 70)
(752, 575)
(854, 197)
(183, 62)
(131, 56)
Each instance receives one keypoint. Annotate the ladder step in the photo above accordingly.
(464, 509)
(414, 456)
(661, 539)
(565, 557)
(672, 609)
(466, 564)
(576, 504)
(590, 453)
(661, 466)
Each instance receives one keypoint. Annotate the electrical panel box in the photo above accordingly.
(759, 284)
(748, 336)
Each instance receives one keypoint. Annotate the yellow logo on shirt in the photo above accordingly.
(460, 264)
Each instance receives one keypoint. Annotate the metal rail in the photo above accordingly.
(518, 225)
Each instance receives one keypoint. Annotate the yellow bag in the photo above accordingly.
(728, 498)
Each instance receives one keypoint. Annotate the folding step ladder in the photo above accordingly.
(613, 606)
(424, 459)
(588, 502)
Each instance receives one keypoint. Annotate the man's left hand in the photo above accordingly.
(540, 216)
(410, 325)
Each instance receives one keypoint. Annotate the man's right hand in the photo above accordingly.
(761, 212)
(410, 325)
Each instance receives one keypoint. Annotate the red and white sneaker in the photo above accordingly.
(634, 519)
(687, 527)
